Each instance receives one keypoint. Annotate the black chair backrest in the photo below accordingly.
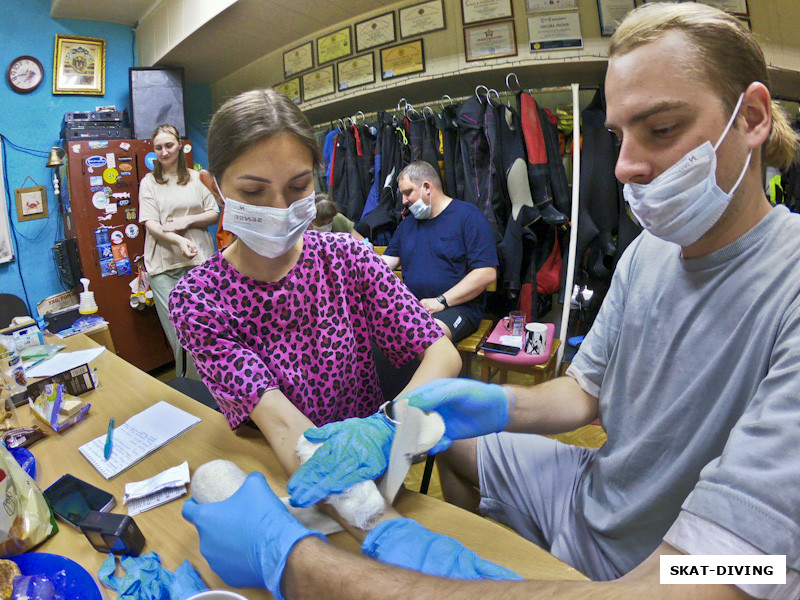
(11, 306)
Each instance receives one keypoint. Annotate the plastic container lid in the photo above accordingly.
(79, 583)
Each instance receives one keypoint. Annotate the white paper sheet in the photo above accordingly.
(64, 361)
(137, 437)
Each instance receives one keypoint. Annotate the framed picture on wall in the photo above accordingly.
(289, 88)
(376, 31)
(555, 31)
(611, 13)
(334, 45)
(475, 11)
(490, 40)
(422, 18)
(31, 203)
(539, 6)
(79, 65)
(356, 71)
(735, 7)
(298, 59)
(318, 83)
(403, 59)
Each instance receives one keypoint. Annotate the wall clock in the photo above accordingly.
(24, 74)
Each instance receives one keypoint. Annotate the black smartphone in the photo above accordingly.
(73, 499)
(492, 347)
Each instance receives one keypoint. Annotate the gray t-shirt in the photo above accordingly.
(696, 363)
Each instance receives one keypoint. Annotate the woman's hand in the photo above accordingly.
(176, 225)
(188, 248)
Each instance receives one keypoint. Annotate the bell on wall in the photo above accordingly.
(55, 159)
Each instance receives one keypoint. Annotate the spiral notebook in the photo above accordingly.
(137, 437)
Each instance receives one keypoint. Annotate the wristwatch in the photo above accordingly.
(443, 300)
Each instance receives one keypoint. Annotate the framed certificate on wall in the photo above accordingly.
(376, 31)
(318, 83)
(555, 31)
(475, 11)
(298, 59)
(355, 71)
(491, 40)
(422, 18)
(290, 88)
(402, 59)
(334, 45)
(611, 13)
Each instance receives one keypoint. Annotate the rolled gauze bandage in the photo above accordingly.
(216, 481)
(360, 504)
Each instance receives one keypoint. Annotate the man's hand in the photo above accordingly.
(352, 450)
(469, 408)
(406, 543)
(247, 538)
(432, 305)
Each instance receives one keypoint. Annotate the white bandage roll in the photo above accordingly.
(360, 504)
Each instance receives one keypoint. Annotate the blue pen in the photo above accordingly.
(109, 439)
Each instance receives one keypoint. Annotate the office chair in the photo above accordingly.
(192, 387)
(11, 306)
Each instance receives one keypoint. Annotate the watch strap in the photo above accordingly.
(443, 300)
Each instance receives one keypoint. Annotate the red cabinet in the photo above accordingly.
(101, 211)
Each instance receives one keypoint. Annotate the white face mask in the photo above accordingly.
(269, 231)
(328, 227)
(684, 202)
(420, 210)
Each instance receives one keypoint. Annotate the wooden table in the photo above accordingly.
(124, 391)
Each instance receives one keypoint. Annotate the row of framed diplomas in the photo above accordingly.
(345, 58)
(398, 60)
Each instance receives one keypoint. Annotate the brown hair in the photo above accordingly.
(419, 172)
(252, 116)
(728, 58)
(326, 208)
(183, 170)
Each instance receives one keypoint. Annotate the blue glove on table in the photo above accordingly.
(469, 408)
(352, 450)
(405, 543)
(247, 538)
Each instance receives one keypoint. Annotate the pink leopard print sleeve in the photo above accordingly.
(307, 334)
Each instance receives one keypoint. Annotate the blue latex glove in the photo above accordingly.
(352, 450)
(247, 538)
(146, 579)
(469, 408)
(406, 543)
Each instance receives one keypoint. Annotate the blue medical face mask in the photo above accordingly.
(420, 210)
(684, 202)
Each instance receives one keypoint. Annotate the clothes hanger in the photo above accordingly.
(449, 101)
(479, 86)
(516, 80)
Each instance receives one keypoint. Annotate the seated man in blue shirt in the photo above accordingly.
(446, 251)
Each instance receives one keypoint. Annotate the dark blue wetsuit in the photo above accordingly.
(435, 254)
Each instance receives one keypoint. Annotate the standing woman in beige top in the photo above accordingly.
(176, 208)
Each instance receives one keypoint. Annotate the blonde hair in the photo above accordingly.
(183, 170)
(728, 58)
(250, 117)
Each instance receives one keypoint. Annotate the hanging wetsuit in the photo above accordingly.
(476, 163)
(453, 180)
(538, 170)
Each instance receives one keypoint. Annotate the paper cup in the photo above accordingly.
(535, 338)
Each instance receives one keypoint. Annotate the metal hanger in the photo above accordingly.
(516, 80)
(485, 95)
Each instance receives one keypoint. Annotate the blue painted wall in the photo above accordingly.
(33, 121)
